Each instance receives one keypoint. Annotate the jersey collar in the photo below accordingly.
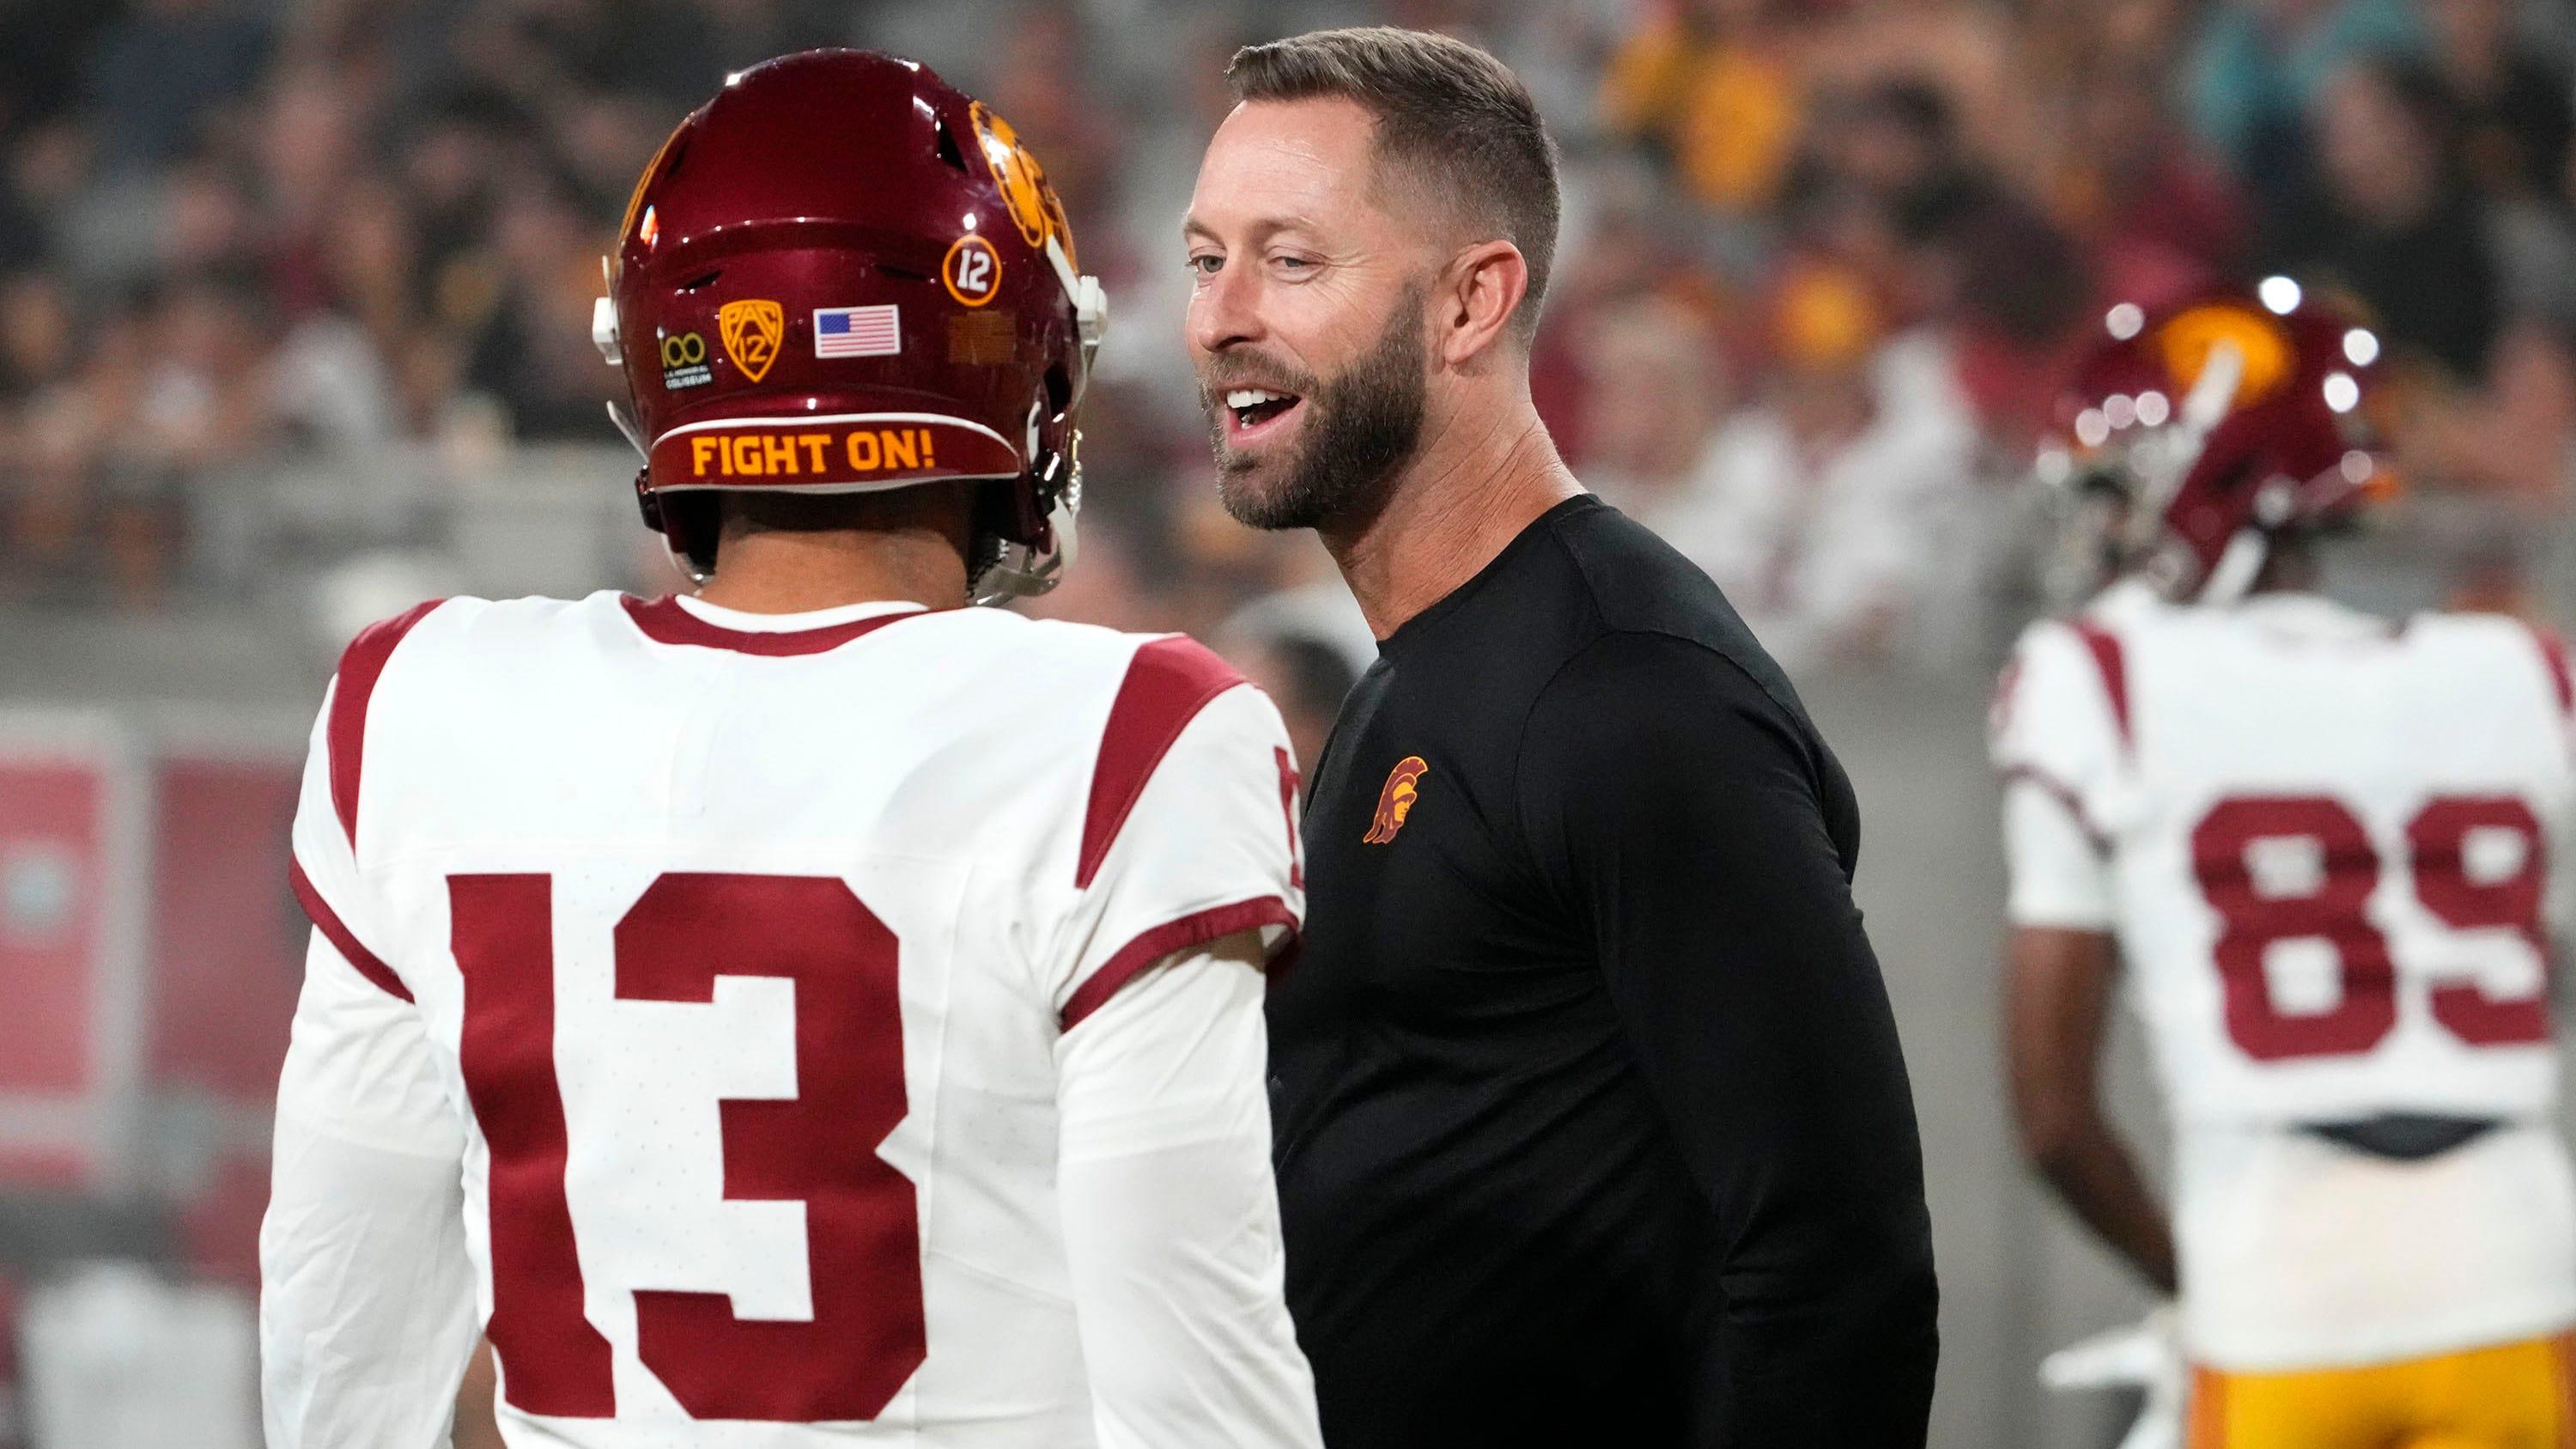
(2311, 615)
(675, 620)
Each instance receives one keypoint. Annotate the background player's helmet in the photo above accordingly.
(2216, 426)
(841, 275)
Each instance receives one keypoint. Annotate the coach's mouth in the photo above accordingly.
(1253, 413)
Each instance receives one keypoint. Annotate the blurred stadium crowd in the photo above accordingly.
(1826, 262)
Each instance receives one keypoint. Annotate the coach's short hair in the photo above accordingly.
(1444, 110)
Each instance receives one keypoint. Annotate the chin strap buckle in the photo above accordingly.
(603, 330)
(603, 317)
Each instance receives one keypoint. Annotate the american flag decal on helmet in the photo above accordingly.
(858, 331)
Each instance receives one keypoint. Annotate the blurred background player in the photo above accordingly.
(843, 1005)
(2318, 845)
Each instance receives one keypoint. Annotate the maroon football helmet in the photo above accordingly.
(841, 275)
(2217, 425)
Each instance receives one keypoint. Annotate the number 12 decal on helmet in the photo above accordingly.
(973, 271)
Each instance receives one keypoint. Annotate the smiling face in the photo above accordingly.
(1307, 314)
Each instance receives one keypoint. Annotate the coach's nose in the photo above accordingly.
(1225, 310)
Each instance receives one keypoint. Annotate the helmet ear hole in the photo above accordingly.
(1059, 391)
(948, 151)
(998, 515)
(694, 522)
(671, 163)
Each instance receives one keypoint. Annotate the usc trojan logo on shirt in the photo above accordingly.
(1403, 787)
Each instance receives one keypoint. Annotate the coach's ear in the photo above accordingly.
(1475, 301)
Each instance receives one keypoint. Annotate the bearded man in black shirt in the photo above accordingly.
(1591, 1123)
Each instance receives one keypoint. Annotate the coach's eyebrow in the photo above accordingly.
(1262, 230)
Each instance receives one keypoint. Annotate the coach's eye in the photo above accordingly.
(1295, 265)
(1206, 265)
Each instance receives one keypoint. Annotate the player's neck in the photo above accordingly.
(801, 571)
(1480, 476)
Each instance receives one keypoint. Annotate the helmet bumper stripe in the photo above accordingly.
(837, 453)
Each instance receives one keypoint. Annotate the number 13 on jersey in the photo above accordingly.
(862, 1231)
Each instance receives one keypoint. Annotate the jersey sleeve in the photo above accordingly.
(2558, 899)
(2056, 744)
(1190, 829)
(366, 1302)
(324, 868)
(366, 1292)
(1170, 1214)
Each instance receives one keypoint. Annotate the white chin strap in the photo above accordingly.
(625, 424)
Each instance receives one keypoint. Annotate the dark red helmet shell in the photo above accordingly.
(841, 274)
(2294, 444)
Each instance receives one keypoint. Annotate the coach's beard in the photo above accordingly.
(1360, 429)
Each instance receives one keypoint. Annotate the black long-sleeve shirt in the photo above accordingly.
(1592, 1124)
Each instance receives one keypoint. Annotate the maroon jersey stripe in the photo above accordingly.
(2112, 661)
(2064, 794)
(1196, 929)
(336, 931)
(2553, 653)
(1168, 682)
(360, 667)
(664, 621)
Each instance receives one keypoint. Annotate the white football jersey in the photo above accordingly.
(2325, 844)
(734, 966)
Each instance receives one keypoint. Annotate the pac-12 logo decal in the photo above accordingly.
(972, 270)
(752, 331)
(1403, 787)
